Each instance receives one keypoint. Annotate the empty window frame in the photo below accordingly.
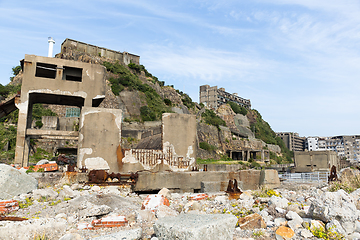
(72, 74)
(45, 70)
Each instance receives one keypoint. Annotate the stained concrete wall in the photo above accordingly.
(179, 132)
(191, 181)
(54, 81)
(99, 138)
(314, 161)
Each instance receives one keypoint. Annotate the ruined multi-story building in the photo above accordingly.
(214, 97)
(344, 146)
(292, 140)
(122, 57)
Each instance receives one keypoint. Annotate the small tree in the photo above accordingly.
(15, 71)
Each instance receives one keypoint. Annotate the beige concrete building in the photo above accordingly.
(213, 97)
(316, 161)
(54, 81)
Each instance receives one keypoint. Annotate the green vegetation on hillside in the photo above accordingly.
(264, 132)
(211, 118)
(155, 104)
(15, 70)
(237, 108)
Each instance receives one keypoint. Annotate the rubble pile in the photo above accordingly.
(80, 211)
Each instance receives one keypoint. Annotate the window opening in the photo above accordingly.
(45, 70)
(72, 74)
(72, 112)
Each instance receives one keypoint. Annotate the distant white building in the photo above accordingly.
(311, 144)
(344, 146)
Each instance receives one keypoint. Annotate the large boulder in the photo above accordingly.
(339, 206)
(191, 226)
(13, 182)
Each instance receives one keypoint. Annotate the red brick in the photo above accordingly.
(199, 196)
(152, 202)
(7, 206)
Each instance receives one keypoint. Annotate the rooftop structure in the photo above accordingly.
(122, 57)
(214, 97)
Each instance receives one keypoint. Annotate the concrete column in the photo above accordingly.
(21, 132)
(26, 152)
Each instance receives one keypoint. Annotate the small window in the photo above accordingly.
(72, 112)
(72, 74)
(45, 70)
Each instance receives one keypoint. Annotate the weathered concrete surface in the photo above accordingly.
(55, 81)
(123, 235)
(192, 226)
(47, 179)
(314, 161)
(269, 178)
(211, 187)
(99, 138)
(179, 133)
(189, 181)
(13, 182)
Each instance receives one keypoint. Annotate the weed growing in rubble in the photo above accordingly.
(264, 192)
(40, 237)
(55, 203)
(327, 234)
(347, 184)
(28, 202)
(66, 199)
(257, 234)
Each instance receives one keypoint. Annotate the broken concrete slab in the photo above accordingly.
(191, 226)
(123, 235)
(13, 182)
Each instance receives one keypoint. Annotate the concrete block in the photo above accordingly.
(192, 226)
(269, 178)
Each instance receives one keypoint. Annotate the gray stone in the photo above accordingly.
(13, 182)
(305, 233)
(165, 211)
(210, 187)
(51, 228)
(146, 215)
(45, 194)
(334, 225)
(190, 226)
(353, 236)
(90, 210)
(280, 221)
(123, 235)
(71, 236)
(278, 202)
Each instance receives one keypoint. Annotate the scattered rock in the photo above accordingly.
(284, 233)
(191, 226)
(13, 182)
(123, 235)
(165, 211)
(253, 221)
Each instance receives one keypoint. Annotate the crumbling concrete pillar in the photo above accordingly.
(99, 138)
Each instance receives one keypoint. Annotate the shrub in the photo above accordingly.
(211, 118)
(147, 114)
(206, 146)
(167, 102)
(237, 108)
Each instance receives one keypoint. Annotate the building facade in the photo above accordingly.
(292, 140)
(345, 146)
(213, 97)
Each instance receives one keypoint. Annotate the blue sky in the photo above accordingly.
(298, 61)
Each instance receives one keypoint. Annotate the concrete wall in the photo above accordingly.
(54, 81)
(314, 161)
(99, 138)
(191, 181)
(179, 133)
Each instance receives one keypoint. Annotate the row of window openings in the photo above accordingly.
(46, 70)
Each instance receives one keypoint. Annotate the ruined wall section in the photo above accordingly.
(99, 138)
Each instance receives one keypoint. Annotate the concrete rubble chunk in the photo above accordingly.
(89, 209)
(13, 182)
(123, 235)
(44, 194)
(152, 202)
(278, 202)
(165, 192)
(191, 227)
(284, 233)
(165, 211)
(71, 236)
(253, 221)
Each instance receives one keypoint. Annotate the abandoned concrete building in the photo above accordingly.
(213, 97)
(316, 161)
(122, 57)
(292, 140)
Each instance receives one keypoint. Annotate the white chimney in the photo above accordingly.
(51, 42)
